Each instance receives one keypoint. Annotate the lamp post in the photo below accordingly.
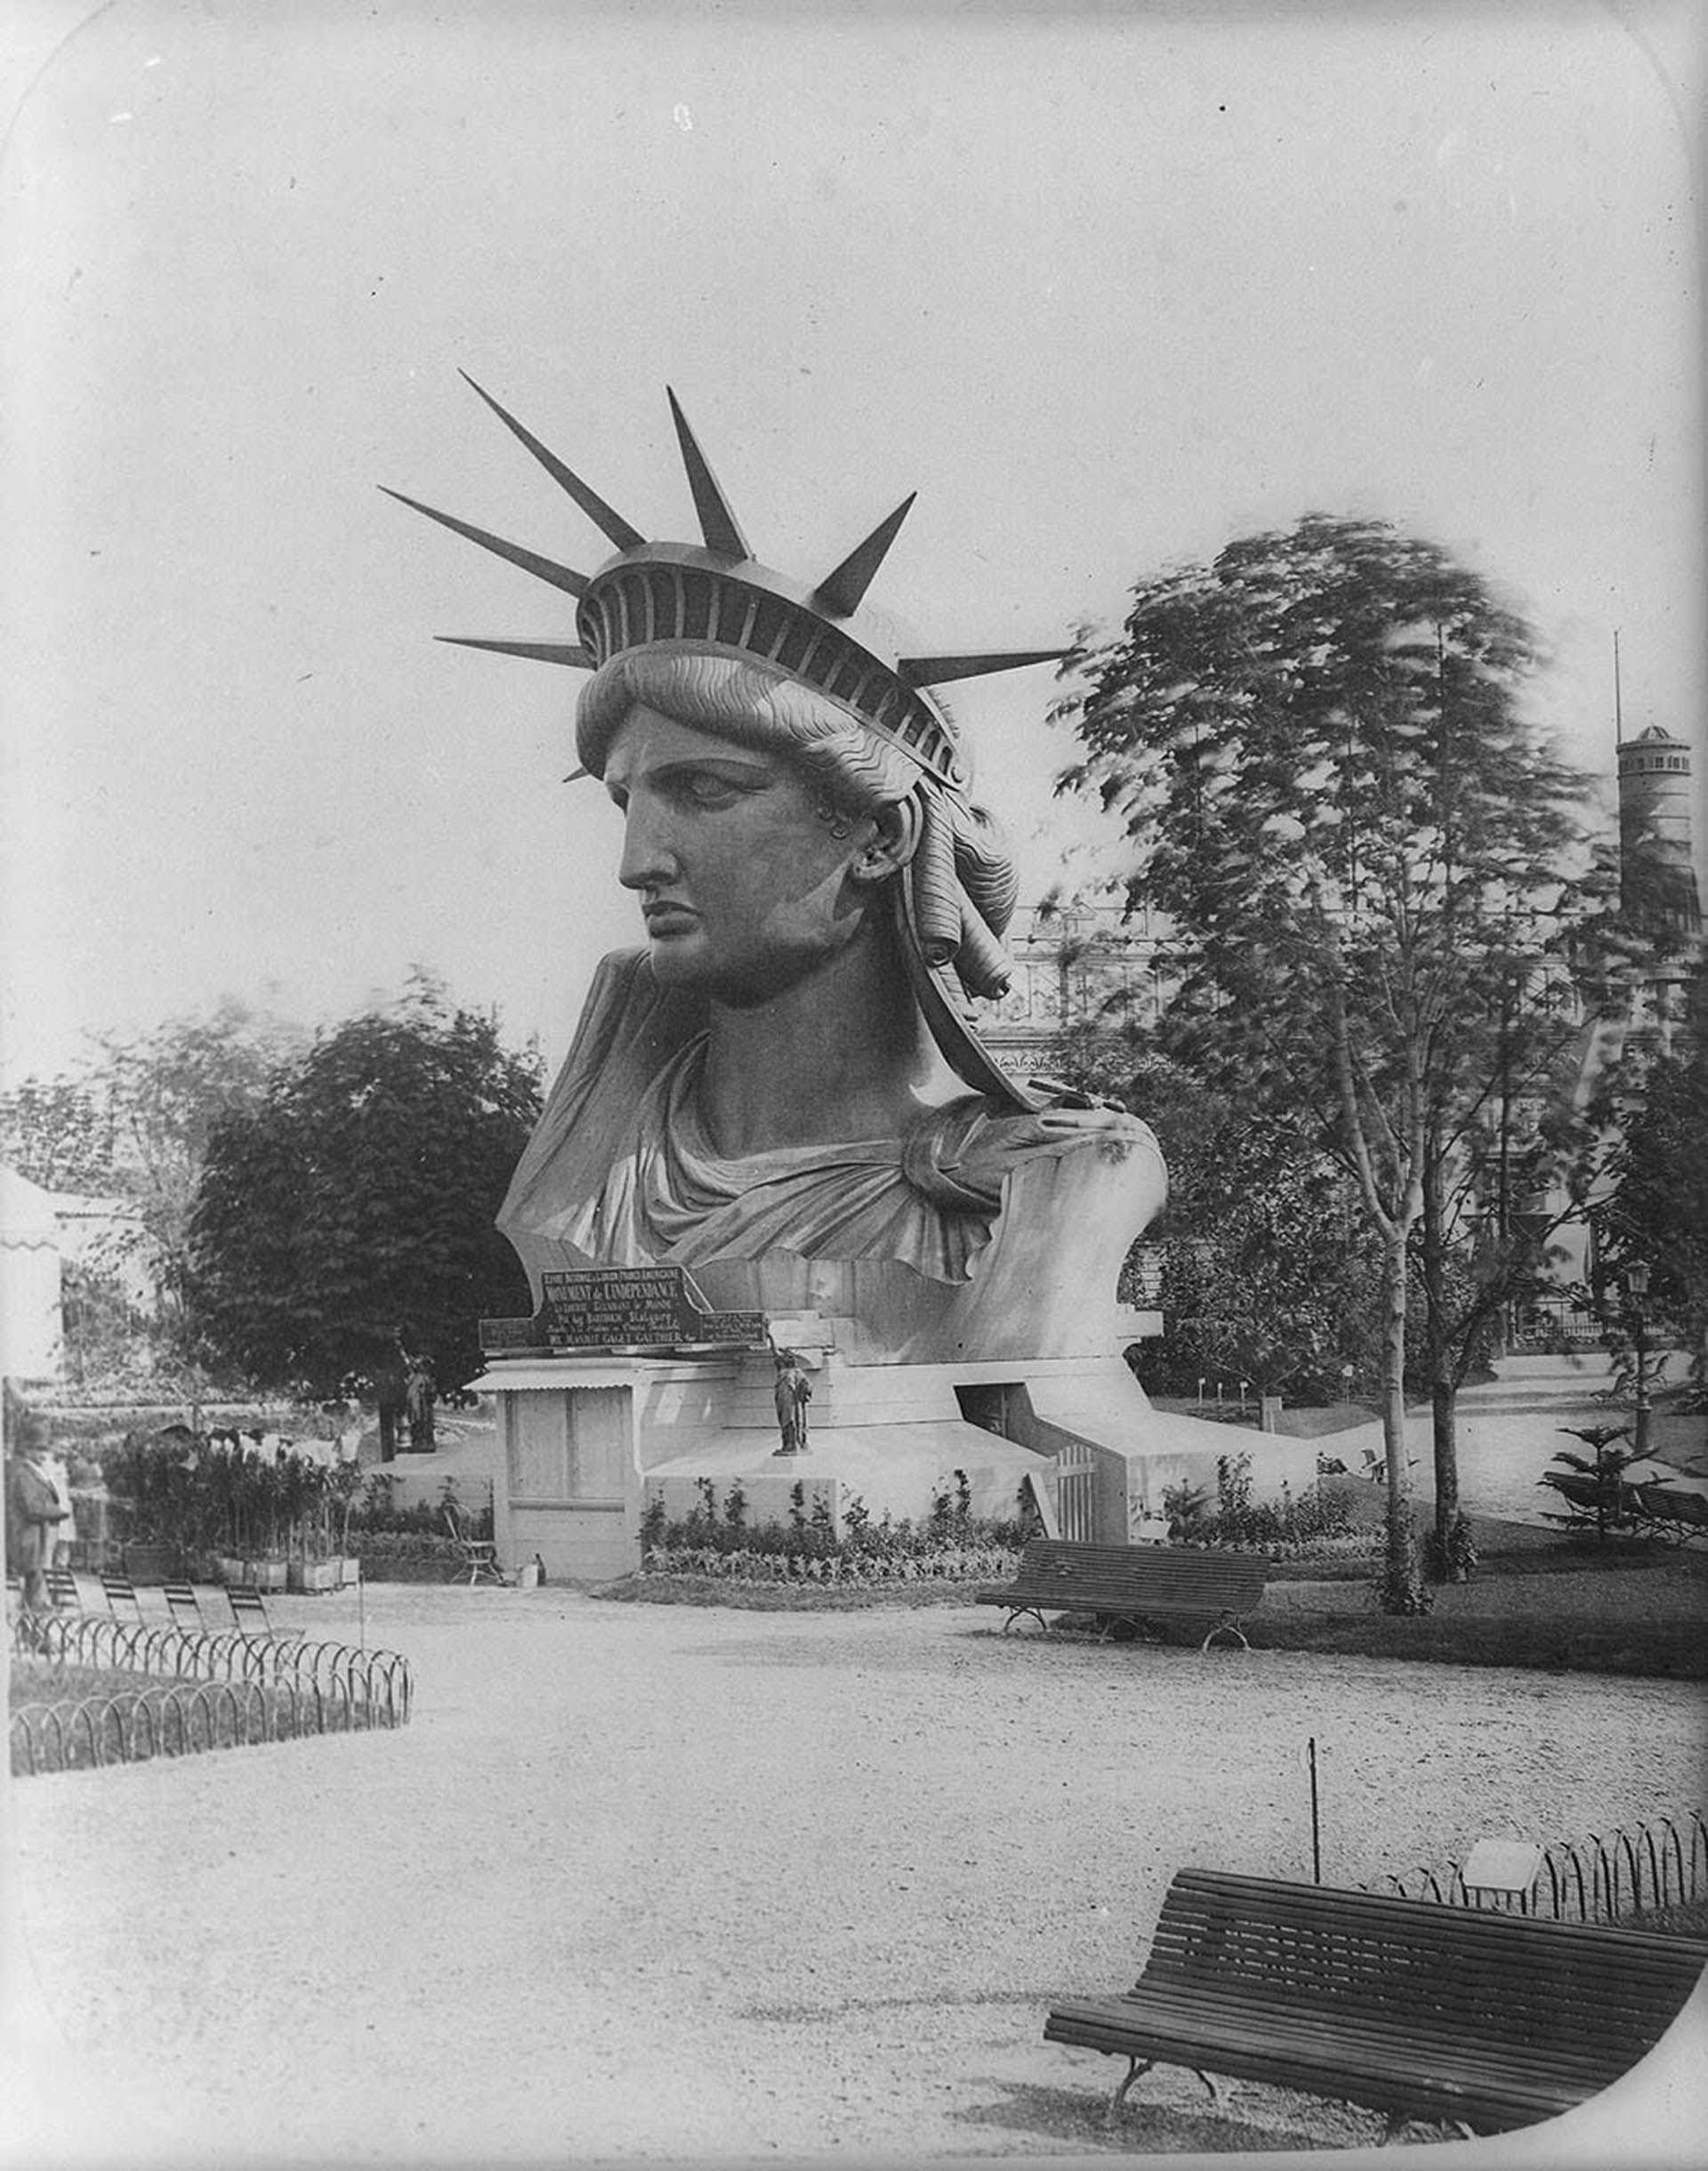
(1636, 1279)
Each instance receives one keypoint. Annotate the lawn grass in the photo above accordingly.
(44, 1681)
(105, 1728)
(1559, 1643)
(1540, 1600)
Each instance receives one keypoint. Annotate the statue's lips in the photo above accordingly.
(669, 919)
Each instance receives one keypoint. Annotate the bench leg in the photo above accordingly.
(1019, 1614)
(1136, 2068)
(1226, 1626)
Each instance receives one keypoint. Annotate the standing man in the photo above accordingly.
(33, 1511)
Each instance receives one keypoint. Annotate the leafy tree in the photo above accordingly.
(59, 1134)
(166, 1093)
(1650, 1214)
(1319, 748)
(132, 1127)
(357, 1196)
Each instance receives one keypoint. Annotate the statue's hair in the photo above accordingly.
(962, 848)
(751, 706)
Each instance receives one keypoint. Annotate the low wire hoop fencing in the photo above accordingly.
(1597, 1879)
(219, 1689)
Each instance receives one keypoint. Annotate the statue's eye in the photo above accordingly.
(704, 788)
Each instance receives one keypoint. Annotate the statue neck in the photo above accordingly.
(833, 1057)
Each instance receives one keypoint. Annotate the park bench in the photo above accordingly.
(1461, 2016)
(1126, 1586)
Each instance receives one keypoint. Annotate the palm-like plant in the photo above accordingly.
(1594, 1486)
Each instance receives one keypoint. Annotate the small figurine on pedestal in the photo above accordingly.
(794, 1392)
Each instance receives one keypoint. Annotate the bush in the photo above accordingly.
(405, 1556)
(1237, 1520)
(951, 1542)
(379, 1510)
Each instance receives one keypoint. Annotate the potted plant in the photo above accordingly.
(247, 1494)
(307, 1502)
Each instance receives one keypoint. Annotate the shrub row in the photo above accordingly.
(749, 1564)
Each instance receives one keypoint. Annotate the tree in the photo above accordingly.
(58, 1133)
(1320, 750)
(132, 1127)
(1650, 1215)
(166, 1094)
(357, 1196)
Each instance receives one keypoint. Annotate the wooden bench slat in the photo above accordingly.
(1403, 2005)
(1499, 2093)
(1427, 2048)
(1304, 2034)
(1497, 2101)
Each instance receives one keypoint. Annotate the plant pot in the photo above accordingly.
(313, 1575)
(151, 1563)
(350, 1571)
(267, 1575)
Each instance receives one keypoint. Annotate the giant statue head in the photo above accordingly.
(822, 901)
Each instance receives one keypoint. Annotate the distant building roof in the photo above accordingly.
(27, 1213)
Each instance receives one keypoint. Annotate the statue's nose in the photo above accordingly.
(648, 857)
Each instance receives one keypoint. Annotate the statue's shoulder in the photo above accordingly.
(961, 1152)
(628, 1024)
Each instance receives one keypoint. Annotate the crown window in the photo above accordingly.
(733, 606)
(699, 606)
(770, 622)
(796, 641)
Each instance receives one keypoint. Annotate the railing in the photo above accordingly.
(220, 1689)
(1556, 1323)
(1076, 1477)
(1590, 1880)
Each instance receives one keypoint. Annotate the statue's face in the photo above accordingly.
(744, 888)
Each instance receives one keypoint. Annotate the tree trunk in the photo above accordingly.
(1444, 1391)
(1444, 1417)
(1402, 1588)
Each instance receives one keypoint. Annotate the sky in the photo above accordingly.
(1108, 286)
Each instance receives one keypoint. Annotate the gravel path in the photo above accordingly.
(674, 1884)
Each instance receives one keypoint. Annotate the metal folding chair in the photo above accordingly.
(63, 1589)
(120, 1594)
(249, 1610)
(184, 1608)
(479, 1555)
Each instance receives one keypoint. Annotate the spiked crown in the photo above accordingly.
(715, 597)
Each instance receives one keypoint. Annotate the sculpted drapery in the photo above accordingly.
(980, 1230)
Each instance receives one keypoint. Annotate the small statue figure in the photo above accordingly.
(419, 1395)
(794, 1392)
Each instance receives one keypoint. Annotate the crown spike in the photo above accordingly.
(843, 591)
(569, 652)
(613, 524)
(530, 561)
(939, 670)
(717, 523)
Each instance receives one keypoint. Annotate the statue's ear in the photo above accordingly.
(895, 838)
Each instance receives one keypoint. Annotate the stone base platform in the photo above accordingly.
(587, 1441)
